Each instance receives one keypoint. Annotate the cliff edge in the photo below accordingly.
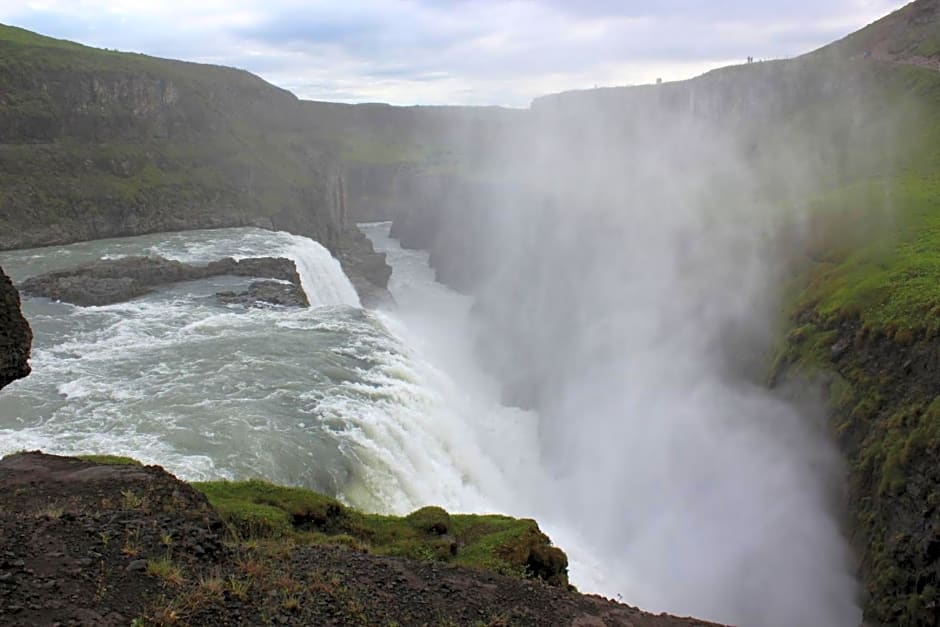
(85, 542)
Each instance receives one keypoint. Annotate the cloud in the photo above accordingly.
(458, 51)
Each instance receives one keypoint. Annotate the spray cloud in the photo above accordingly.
(628, 252)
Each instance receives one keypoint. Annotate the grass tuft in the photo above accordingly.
(111, 460)
(167, 570)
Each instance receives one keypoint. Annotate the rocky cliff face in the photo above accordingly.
(15, 335)
(98, 144)
(378, 191)
(883, 396)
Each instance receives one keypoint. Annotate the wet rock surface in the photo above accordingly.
(112, 281)
(366, 269)
(15, 335)
(89, 544)
(884, 404)
(261, 293)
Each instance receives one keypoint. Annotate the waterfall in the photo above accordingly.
(320, 272)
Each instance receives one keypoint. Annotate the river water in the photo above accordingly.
(387, 410)
(335, 397)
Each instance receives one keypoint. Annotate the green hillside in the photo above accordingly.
(864, 321)
(96, 143)
(863, 311)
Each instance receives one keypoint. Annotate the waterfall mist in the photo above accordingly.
(628, 255)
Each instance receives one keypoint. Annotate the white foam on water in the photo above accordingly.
(416, 446)
(79, 440)
(320, 273)
(208, 391)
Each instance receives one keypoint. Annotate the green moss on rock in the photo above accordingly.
(515, 547)
(110, 460)
(884, 402)
(863, 323)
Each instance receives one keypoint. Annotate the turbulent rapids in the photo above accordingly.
(333, 397)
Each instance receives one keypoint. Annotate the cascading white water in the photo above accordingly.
(176, 378)
(332, 397)
(321, 275)
(489, 458)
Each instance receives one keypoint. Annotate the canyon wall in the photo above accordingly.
(96, 144)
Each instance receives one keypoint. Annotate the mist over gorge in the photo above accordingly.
(631, 260)
(689, 327)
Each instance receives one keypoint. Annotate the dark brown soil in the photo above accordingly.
(81, 544)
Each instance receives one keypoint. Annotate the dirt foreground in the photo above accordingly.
(99, 545)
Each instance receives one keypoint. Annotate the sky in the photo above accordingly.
(474, 52)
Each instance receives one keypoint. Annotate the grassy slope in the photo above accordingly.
(876, 237)
(95, 141)
(864, 319)
(877, 240)
(257, 511)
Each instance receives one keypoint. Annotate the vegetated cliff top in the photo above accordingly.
(23, 48)
(240, 93)
(95, 143)
(909, 35)
(99, 143)
(107, 541)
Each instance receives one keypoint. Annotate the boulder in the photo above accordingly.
(266, 293)
(15, 335)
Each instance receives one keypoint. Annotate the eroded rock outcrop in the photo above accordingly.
(366, 269)
(112, 281)
(15, 335)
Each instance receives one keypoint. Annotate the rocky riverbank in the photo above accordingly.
(91, 543)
